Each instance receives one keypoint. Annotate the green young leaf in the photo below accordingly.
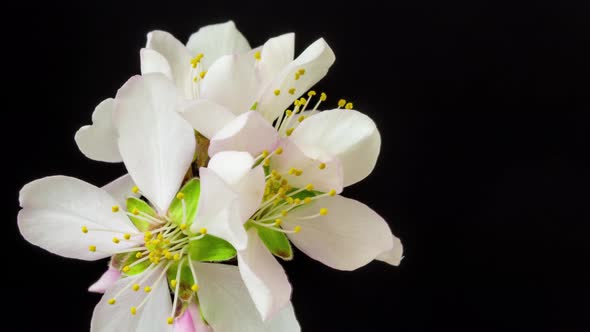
(119, 261)
(211, 249)
(191, 191)
(276, 242)
(141, 206)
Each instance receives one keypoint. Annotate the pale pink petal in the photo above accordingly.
(395, 255)
(206, 117)
(106, 281)
(177, 56)
(120, 189)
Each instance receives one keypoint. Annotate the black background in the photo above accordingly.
(484, 170)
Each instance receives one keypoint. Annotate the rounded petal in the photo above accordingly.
(120, 189)
(206, 117)
(99, 140)
(191, 321)
(275, 55)
(154, 62)
(264, 277)
(323, 179)
(315, 60)
(218, 210)
(177, 56)
(348, 237)
(248, 132)
(151, 317)
(349, 135)
(394, 255)
(227, 306)
(106, 281)
(235, 168)
(217, 40)
(56, 208)
(156, 143)
(232, 82)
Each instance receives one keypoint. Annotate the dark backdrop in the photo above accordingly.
(484, 169)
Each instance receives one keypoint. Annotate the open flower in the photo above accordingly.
(157, 245)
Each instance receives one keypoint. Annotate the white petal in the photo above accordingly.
(154, 62)
(350, 236)
(156, 143)
(393, 256)
(276, 54)
(264, 277)
(218, 210)
(315, 60)
(217, 40)
(106, 281)
(235, 168)
(227, 306)
(120, 189)
(347, 134)
(55, 209)
(247, 132)
(232, 82)
(191, 321)
(99, 140)
(152, 317)
(177, 56)
(322, 179)
(206, 117)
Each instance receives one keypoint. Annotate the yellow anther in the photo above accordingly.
(155, 242)
(112, 301)
(332, 192)
(297, 229)
(126, 268)
(322, 165)
(173, 283)
(138, 255)
(135, 189)
(177, 257)
(133, 310)
(323, 211)
(292, 91)
(257, 55)
(170, 320)
(92, 248)
(264, 153)
(323, 96)
(284, 213)
(311, 93)
(278, 222)
(298, 172)
(183, 227)
(266, 162)
(292, 171)
(147, 289)
(195, 61)
(297, 102)
(296, 201)
(309, 187)
(278, 151)
(148, 234)
(168, 255)
(195, 79)
(84, 229)
(290, 131)
(302, 100)
(307, 200)
(202, 74)
(341, 102)
(180, 196)
(277, 92)
(195, 287)
(301, 71)
(115, 208)
(348, 106)
(301, 118)
(289, 200)
(160, 236)
(135, 211)
(127, 236)
(135, 287)
(203, 230)
(289, 112)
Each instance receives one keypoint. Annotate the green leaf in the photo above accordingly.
(211, 249)
(121, 260)
(136, 203)
(191, 191)
(276, 242)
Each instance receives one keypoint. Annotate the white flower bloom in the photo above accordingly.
(158, 250)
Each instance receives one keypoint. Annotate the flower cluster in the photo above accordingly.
(229, 159)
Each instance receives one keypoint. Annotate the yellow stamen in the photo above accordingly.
(135, 189)
(332, 192)
(322, 165)
(126, 268)
(297, 229)
(278, 151)
(112, 301)
(92, 248)
(133, 310)
(309, 187)
(323, 211)
(290, 131)
(301, 71)
(311, 93)
(277, 92)
(202, 74)
(170, 320)
(183, 227)
(292, 91)
(203, 230)
(136, 287)
(195, 287)
(341, 102)
(84, 229)
(115, 208)
(135, 211)
(147, 289)
(301, 118)
(348, 106)
(127, 236)
(278, 222)
(323, 96)
(180, 196)
(257, 55)
(173, 283)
